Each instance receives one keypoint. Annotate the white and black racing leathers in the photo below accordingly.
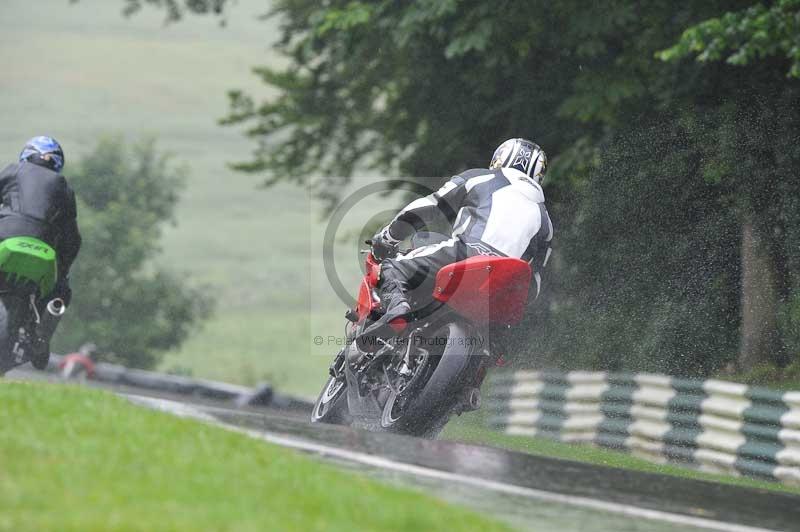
(493, 212)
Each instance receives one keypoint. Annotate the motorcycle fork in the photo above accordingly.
(336, 369)
(405, 365)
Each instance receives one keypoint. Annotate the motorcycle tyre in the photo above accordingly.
(338, 412)
(428, 412)
(7, 338)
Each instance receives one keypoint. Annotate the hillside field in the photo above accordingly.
(84, 71)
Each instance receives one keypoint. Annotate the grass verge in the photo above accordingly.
(470, 428)
(79, 459)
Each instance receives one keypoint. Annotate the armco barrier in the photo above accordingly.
(137, 379)
(713, 425)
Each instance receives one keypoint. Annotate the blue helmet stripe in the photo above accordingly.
(44, 146)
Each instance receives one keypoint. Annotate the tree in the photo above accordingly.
(176, 8)
(130, 309)
(752, 35)
(745, 36)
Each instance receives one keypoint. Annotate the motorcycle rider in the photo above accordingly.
(496, 211)
(36, 201)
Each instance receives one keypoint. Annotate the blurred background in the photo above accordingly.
(672, 132)
(187, 265)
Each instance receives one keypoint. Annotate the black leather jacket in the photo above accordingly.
(36, 201)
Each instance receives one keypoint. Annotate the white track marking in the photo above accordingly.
(172, 407)
(184, 410)
(573, 500)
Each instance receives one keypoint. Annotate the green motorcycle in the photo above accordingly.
(29, 314)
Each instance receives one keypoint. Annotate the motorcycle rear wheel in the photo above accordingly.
(427, 411)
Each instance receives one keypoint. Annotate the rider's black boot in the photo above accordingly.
(396, 304)
(40, 354)
(49, 317)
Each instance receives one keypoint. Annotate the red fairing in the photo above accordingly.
(366, 303)
(373, 270)
(486, 290)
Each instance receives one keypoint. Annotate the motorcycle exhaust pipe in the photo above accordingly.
(48, 322)
(56, 307)
(472, 399)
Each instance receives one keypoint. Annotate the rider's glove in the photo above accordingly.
(384, 246)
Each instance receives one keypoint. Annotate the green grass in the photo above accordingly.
(79, 459)
(470, 428)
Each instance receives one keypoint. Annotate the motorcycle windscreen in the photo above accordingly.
(28, 261)
(486, 290)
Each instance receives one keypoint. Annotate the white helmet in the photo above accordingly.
(522, 154)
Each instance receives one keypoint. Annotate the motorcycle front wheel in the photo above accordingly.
(331, 405)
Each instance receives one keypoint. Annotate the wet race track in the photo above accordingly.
(525, 491)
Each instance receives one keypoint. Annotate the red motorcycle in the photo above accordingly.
(434, 365)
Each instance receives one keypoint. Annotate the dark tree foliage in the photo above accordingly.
(176, 8)
(657, 166)
(745, 36)
(130, 309)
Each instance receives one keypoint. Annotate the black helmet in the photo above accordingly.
(522, 154)
(45, 151)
